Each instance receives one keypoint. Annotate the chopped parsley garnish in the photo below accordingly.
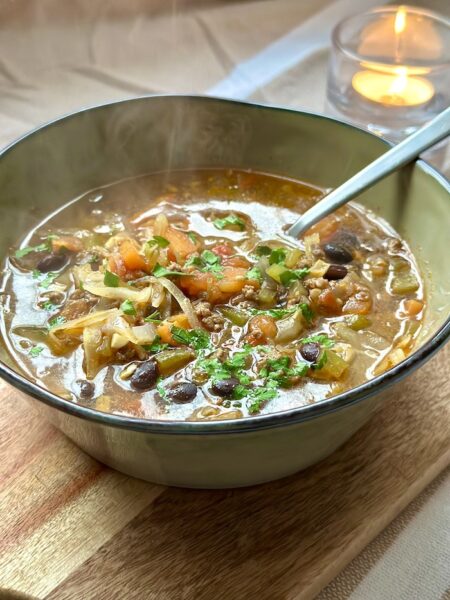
(198, 339)
(191, 235)
(128, 308)
(156, 345)
(307, 312)
(161, 389)
(259, 396)
(278, 370)
(276, 313)
(319, 338)
(255, 273)
(322, 361)
(263, 251)
(160, 271)
(55, 321)
(111, 279)
(45, 246)
(35, 351)
(291, 275)
(208, 262)
(231, 219)
(158, 240)
(278, 255)
(49, 306)
(47, 280)
(154, 317)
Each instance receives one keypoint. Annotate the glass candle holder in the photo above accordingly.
(389, 69)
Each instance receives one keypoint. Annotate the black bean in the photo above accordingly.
(182, 392)
(225, 387)
(336, 272)
(145, 376)
(310, 351)
(51, 262)
(86, 389)
(338, 253)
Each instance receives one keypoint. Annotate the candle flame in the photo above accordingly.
(400, 82)
(400, 20)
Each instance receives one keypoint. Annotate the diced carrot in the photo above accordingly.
(260, 329)
(164, 328)
(216, 290)
(132, 260)
(358, 306)
(413, 307)
(67, 242)
(181, 245)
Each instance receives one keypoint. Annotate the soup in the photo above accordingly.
(178, 296)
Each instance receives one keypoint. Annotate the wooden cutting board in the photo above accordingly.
(71, 528)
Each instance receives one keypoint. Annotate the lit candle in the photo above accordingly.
(392, 85)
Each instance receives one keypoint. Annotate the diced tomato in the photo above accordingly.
(260, 329)
(223, 250)
(181, 245)
(356, 305)
(216, 290)
(328, 304)
(236, 261)
(132, 260)
(164, 328)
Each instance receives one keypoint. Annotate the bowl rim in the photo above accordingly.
(245, 424)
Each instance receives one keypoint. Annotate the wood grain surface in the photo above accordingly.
(71, 528)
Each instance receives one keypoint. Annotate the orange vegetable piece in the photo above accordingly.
(132, 260)
(236, 261)
(413, 307)
(328, 304)
(181, 245)
(164, 328)
(216, 290)
(260, 329)
(67, 242)
(223, 250)
(325, 227)
(358, 306)
(116, 265)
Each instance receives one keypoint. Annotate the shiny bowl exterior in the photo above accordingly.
(60, 161)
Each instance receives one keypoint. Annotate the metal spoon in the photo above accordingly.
(398, 156)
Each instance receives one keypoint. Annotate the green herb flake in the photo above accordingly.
(154, 317)
(191, 235)
(307, 312)
(277, 256)
(49, 306)
(322, 361)
(128, 308)
(156, 345)
(160, 271)
(55, 321)
(291, 275)
(161, 389)
(111, 279)
(46, 246)
(263, 251)
(229, 220)
(255, 273)
(198, 339)
(258, 397)
(319, 338)
(35, 351)
(160, 241)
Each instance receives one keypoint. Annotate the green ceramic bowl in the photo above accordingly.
(94, 147)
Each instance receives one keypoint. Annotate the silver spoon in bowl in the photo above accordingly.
(398, 156)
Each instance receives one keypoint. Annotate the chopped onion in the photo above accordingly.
(185, 303)
(76, 326)
(289, 328)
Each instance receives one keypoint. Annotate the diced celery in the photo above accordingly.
(170, 361)
(333, 368)
(404, 283)
(292, 257)
(357, 322)
(276, 270)
(236, 316)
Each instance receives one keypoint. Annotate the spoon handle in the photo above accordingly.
(401, 154)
